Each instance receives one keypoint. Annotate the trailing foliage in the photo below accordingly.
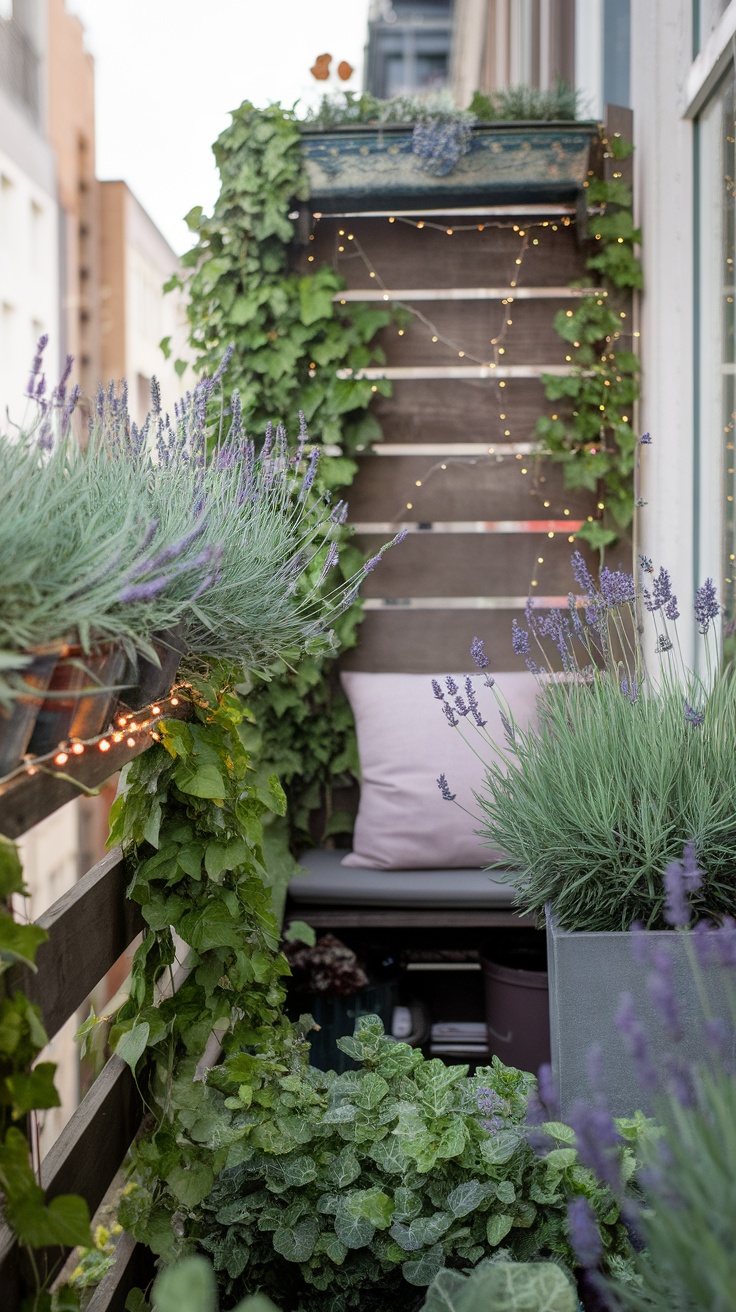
(505, 1287)
(26, 1088)
(299, 1183)
(342, 108)
(291, 341)
(594, 438)
(527, 104)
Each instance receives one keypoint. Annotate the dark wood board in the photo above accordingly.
(403, 256)
(403, 918)
(471, 326)
(432, 641)
(134, 1269)
(462, 410)
(470, 488)
(89, 927)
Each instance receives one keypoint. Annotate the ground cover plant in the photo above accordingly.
(320, 1190)
(625, 766)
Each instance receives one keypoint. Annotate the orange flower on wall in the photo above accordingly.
(321, 68)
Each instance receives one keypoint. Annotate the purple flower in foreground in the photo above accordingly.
(630, 690)
(478, 654)
(661, 988)
(584, 1234)
(671, 612)
(32, 387)
(444, 788)
(450, 715)
(706, 605)
(437, 690)
(462, 709)
(645, 440)
(508, 729)
(581, 573)
(662, 591)
(519, 639)
(451, 686)
(473, 703)
(616, 587)
(597, 1140)
(680, 879)
(693, 717)
(548, 1091)
(636, 1041)
(647, 564)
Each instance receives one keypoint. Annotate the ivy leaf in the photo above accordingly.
(131, 1045)
(19, 943)
(210, 926)
(11, 871)
(354, 1231)
(224, 856)
(205, 780)
(315, 301)
(190, 1183)
(372, 1205)
(497, 1228)
(189, 1284)
(467, 1196)
(34, 1090)
(300, 932)
(424, 1270)
(297, 1243)
(371, 1090)
(343, 1169)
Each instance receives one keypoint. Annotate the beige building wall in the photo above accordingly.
(71, 99)
(136, 315)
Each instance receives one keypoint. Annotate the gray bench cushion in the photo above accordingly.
(327, 881)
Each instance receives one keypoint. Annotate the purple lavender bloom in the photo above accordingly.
(647, 564)
(478, 654)
(706, 606)
(370, 565)
(630, 690)
(144, 591)
(661, 988)
(330, 560)
(217, 375)
(693, 717)
(671, 612)
(508, 729)
(437, 690)
(663, 643)
(310, 475)
(45, 439)
(491, 1106)
(33, 381)
(662, 592)
(451, 686)
(636, 1041)
(584, 1233)
(452, 719)
(645, 440)
(461, 707)
(616, 587)
(519, 639)
(69, 408)
(473, 703)
(548, 1092)
(680, 879)
(597, 1140)
(444, 788)
(155, 396)
(581, 573)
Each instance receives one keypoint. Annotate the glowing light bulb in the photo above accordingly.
(78, 749)
(130, 742)
(174, 701)
(550, 535)
(546, 505)
(61, 758)
(409, 505)
(122, 721)
(420, 225)
(540, 560)
(117, 737)
(156, 710)
(103, 746)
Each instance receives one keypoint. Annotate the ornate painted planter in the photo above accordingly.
(350, 166)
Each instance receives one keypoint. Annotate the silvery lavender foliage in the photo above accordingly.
(440, 144)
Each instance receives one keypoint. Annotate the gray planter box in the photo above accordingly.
(588, 973)
(356, 166)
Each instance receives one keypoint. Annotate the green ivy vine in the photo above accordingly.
(596, 443)
(26, 1088)
(291, 340)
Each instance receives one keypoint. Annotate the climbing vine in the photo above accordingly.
(595, 440)
(25, 1089)
(291, 341)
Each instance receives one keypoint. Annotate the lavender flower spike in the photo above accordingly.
(706, 606)
(437, 690)
(645, 440)
(584, 1233)
(519, 639)
(444, 788)
(478, 654)
(680, 879)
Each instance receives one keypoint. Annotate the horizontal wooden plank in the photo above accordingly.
(449, 410)
(549, 527)
(89, 927)
(403, 255)
(469, 372)
(464, 294)
(534, 210)
(486, 488)
(32, 794)
(437, 450)
(448, 332)
(461, 603)
(134, 1268)
(430, 642)
(84, 1159)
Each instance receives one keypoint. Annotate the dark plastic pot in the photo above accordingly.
(83, 693)
(517, 1000)
(16, 727)
(153, 681)
(336, 1017)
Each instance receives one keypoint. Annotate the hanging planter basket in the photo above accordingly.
(82, 696)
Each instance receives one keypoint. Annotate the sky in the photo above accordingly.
(167, 73)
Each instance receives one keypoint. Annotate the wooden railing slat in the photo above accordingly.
(89, 927)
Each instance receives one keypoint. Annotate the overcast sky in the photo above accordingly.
(169, 71)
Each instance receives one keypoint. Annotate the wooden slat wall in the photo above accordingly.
(479, 528)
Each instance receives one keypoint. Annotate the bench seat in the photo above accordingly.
(329, 882)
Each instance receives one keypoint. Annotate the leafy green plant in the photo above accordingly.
(593, 803)
(505, 1287)
(527, 104)
(339, 109)
(594, 440)
(26, 1088)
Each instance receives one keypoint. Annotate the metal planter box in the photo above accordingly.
(352, 167)
(588, 973)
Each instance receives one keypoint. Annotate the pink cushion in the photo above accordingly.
(405, 743)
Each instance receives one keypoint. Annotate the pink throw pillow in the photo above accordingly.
(404, 744)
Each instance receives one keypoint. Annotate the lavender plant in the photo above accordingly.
(681, 1206)
(624, 766)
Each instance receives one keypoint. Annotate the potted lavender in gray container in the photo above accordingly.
(618, 810)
